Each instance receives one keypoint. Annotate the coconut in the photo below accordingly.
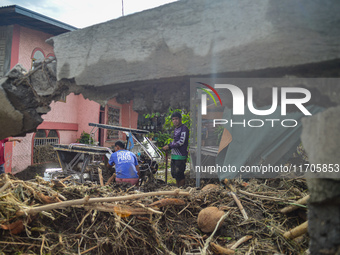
(210, 187)
(207, 219)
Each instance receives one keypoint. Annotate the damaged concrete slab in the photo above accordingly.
(190, 38)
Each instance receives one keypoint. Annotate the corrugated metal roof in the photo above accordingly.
(14, 14)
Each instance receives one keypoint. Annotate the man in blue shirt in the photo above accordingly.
(127, 169)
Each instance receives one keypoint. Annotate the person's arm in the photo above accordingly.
(180, 142)
(111, 179)
(109, 165)
(137, 168)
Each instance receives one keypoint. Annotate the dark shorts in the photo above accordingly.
(178, 168)
(2, 168)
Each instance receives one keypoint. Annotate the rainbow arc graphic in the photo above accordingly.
(209, 93)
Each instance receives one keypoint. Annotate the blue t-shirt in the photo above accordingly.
(126, 163)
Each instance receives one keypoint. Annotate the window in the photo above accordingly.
(40, 137)
(113, 117)
(37, 55)
(42, 149)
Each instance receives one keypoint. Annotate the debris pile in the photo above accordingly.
(63, 217)
(44, 153)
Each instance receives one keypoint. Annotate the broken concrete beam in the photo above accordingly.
(200, 37)
(25, 96)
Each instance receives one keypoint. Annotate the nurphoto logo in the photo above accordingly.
(239, 104)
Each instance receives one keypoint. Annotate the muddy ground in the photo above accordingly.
(131, 227)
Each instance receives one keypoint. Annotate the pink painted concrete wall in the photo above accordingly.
(128, 118)
(24, 42)
(30, 40)
(76, 110)
(88, 111)
(71, 117)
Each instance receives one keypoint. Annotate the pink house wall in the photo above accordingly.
(24, 42)
(29, 40)
(69, 118)
(128, 118)
(88, 111)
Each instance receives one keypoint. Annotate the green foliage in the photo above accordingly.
(163, 139)
(151, 115)
(85, 138)
(151, 135)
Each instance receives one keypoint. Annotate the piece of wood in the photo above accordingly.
(291, 208)
(149, 209)
(83, 219)
(58, 183)
(88, 250)
(166, 167)
(167, 201)
(238, 202)
(240, 241)
(263, 197)
(111, 179)
(121, 210)
(6, 185)
(15, 227)
(66, 178)
(87, 200)
(100, 176)
(296, 232)
(219, 250)
(47, 199)
(207, 242)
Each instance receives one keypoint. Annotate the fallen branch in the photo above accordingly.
(150, 209)
(47, 199)
(122, 210)
(100, 176)
(15, 227)
(28, 185)
(263, 197)
(218, 249)
(166, 202)
(6, 185)
(302, 201)
(240, 241)
(66, 178)
(88, 250)
(298, 231)
(18, 243)
(58, 184)
(82, 221)
(207, 242)
(86, 200)
(238, 202)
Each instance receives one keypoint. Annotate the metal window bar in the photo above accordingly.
(45, 141)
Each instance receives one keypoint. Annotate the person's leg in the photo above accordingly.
(2, 169)
(180, 177)
(180, 183)
(175, 171)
